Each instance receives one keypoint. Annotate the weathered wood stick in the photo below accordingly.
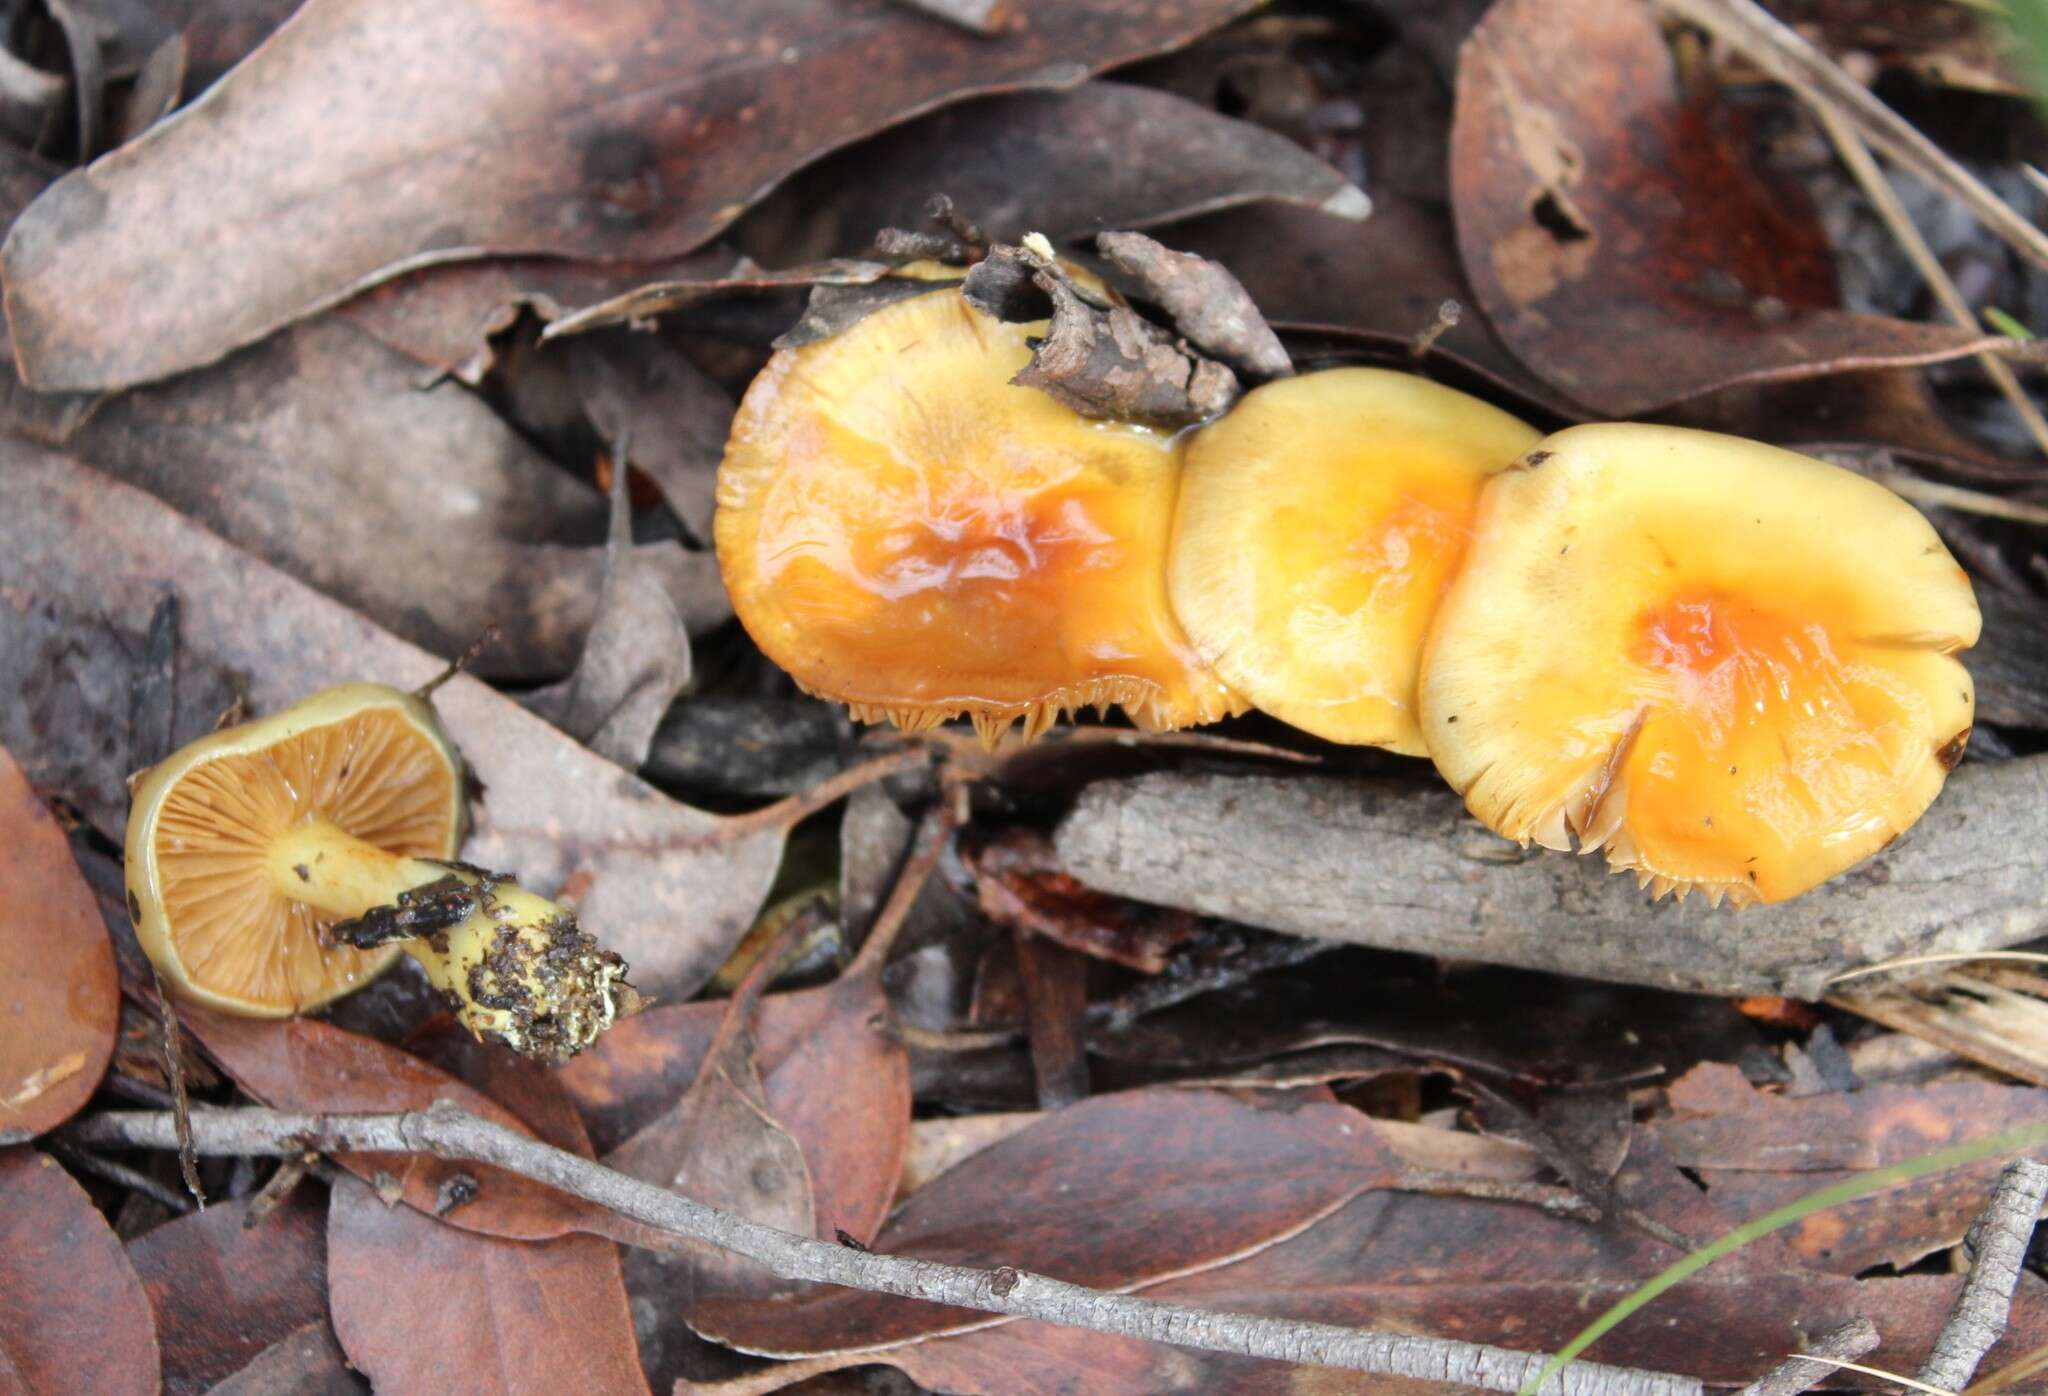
(1399, 864)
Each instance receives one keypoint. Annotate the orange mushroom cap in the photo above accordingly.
(1320, 522)
(907, 532)
(1729, 666)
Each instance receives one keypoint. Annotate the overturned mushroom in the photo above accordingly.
(1319, 524)
(278, 865)
(1729, 666)
(906, 531)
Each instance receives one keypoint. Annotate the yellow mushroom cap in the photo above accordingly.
(372, 760)
(1730, 666)
(1319, 523)
(907, 532)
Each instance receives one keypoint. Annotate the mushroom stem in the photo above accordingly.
(516, 966)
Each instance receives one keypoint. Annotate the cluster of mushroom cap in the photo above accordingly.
(1724, 665)
(275, 866)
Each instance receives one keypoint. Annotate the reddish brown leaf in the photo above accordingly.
(421, 1306)
(305, 1362)
(223, 1291)
(836, 1084)
(1111, 1193)
(1018, 884)
(1597, 209)
(73, 1316)
(349, 146)
(1755, 1151)
(1106, 155)
(60, 997)
(660, 882)
(306, 1065)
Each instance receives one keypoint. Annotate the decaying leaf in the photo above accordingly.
(829, 1078)
(224, 1289)
(60, 997)
(659, 883)
(1597, 209)
(73, 1316)
(421, 1306)
(1400, 865)
(308, 1361)
(349, 147)
(636, 655)
(1109, 1193)
(1105, 155)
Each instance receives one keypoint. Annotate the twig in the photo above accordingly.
(792, 810)
(1997, 1244)
(1774, 47)
(874, 947)
(1797, 1374)
(449, 1133)
(181, 1103)
(485, 638)
(122, 1175)
(1988, 506)
(1856, 155)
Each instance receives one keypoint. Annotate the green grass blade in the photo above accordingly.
(2017, 1141)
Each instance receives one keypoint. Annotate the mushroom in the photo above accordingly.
(1729, 666)
(904, 530)
(1319, 523)
(278, 865)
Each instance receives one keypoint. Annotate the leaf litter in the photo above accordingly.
(490, 391)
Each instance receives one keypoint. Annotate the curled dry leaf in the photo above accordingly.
(1400, 865)
(1756, 1151)
(660, 882)
(73, 1316)
(1065, 164)
(838, 1086)
(420, 1306)
(224, 1289)
(60, 997)
(636, 656)
(348, 147)
(1205, 302)
(1110, 1193)
(1616, 236)
(443, 317)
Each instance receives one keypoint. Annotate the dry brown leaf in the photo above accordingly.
(1615, 234)
(349, 147)
(73, 1316)
(60, 997)
(224, 1290)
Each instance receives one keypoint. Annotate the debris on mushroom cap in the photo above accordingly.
(370, 759)
(1729, 666)
(905, 531)
(1319, 524)
(275, 866)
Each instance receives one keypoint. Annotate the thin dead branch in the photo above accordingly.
(450, 1133)
(1856, 155)
(1997, 1245)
